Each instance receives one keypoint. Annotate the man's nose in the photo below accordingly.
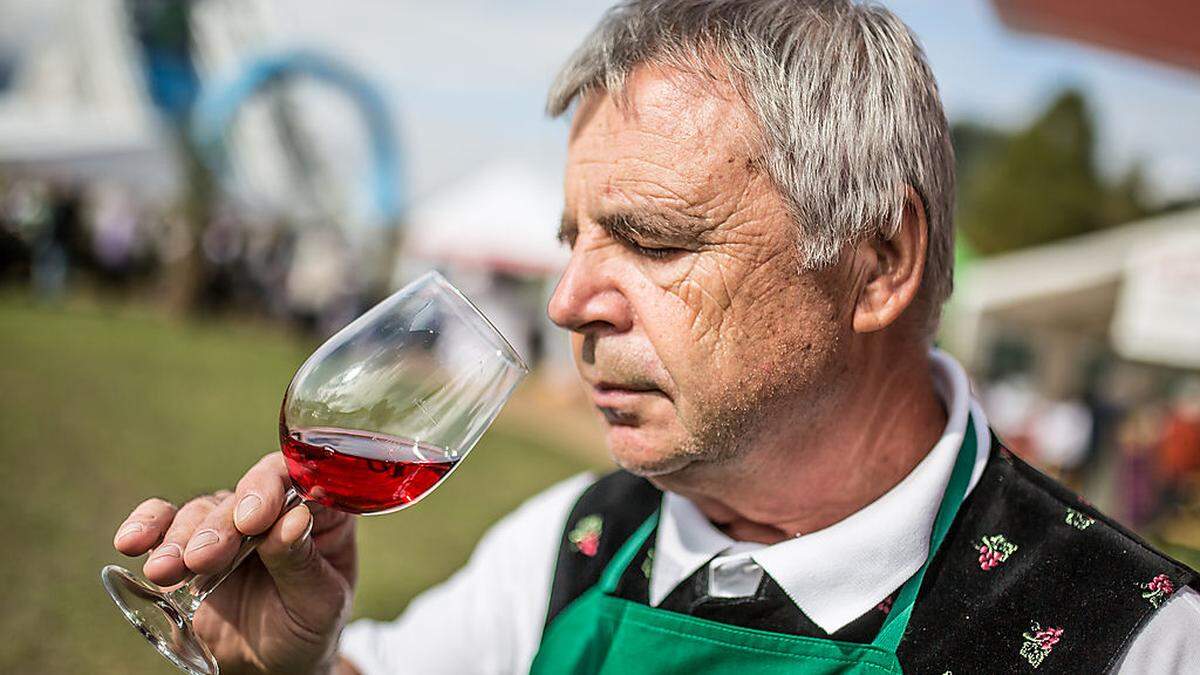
(587, 297)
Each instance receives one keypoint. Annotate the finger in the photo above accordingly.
(333, 536)
(215, 541)
(144, 527)
(336, 544)
(332, 530)
(331, 521)
(316, 595)
(260, 494)
(293, 530)
(165, 564)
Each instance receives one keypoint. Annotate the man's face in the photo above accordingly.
(692, 326)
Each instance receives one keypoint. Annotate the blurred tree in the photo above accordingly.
(162, 31)
(974, 146)
(1040, 184)
(1123, 202)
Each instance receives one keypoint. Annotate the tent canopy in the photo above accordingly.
(1083, 285)
(504, 218)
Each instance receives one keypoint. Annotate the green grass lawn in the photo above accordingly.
(101, 407)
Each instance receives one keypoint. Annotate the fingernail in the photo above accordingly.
(203, 538)
(131, 528)
(167, 551)
(304, 537)
(247, 506)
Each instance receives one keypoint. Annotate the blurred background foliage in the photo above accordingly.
(1006, 178)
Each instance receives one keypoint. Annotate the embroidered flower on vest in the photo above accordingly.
(648, 563)
(1039, 642)
(1078, 520)
(994, 550)
(1157, 590)
(586, 534)
(886, 605)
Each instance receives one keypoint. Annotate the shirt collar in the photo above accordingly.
(836, 574)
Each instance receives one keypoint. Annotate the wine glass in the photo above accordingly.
(372, 422)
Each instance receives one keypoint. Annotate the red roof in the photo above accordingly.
(1162, 30)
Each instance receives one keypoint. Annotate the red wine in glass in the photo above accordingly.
(360, 471)
(423, 364)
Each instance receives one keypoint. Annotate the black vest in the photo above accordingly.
(1030, 577)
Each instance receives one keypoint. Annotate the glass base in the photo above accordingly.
(159, 620)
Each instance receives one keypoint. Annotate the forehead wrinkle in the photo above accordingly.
(681, 150)
(704, 199)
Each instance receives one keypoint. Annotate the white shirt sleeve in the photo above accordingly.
(1170, 640)
(488, 617)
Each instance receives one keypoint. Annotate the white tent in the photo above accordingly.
(502, 218)
(498, 222)
(1137, 286)
(75, 106)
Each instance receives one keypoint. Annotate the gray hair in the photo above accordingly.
(846, 103)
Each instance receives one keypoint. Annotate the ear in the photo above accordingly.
(892, 268)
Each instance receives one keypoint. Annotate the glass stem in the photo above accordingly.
(189, 596)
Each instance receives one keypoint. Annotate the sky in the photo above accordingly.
(466, 80)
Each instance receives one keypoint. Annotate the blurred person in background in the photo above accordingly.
(1180, 450)
(1138, 488)
(318, 290)
(758, 206)
(64, 243)
(120, 242)
(14, 247)
(1012, 403)
(1061, 432)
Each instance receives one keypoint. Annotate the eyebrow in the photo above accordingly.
(638, 225)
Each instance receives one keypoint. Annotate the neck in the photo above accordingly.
(809, 475)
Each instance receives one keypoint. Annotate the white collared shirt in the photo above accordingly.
(877, 541)
(488, 617)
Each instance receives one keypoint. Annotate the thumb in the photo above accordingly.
(307, 584)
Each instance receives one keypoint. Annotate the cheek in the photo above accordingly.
(715, 308)
(668, 322)
(684, 309)
(700, 289)
(681, 306)
(722, 327)
(744, 336)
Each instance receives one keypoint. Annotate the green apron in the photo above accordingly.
(602, 633)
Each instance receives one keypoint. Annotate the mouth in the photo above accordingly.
(616, 401)
(618, 418)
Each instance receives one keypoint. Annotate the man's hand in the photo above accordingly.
(282, 610)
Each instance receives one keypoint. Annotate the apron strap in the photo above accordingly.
(897, 620)
(616, 566)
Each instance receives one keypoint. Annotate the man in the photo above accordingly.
(758, 206)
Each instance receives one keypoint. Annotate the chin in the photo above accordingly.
(644, 455)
